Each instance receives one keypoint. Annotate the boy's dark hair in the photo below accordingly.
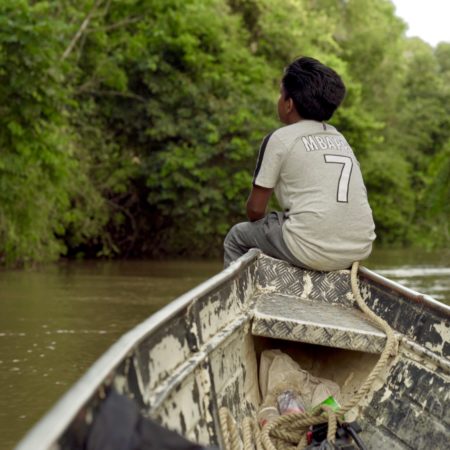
(315, 89)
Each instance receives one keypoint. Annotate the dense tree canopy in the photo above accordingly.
(131, 128)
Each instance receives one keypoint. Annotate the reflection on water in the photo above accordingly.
(57, 320)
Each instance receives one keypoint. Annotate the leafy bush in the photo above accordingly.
(132, 128)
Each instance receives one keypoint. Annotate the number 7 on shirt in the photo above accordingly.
(344, 178)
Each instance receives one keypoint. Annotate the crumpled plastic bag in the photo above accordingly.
(278, 372)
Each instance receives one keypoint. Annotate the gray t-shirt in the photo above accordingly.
(318, 183)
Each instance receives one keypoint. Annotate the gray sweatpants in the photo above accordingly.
(265, 234)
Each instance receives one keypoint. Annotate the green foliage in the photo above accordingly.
(388, 184)
(435, 200)
(38, 169)
(35, 158)
(188, 117)
(132, 127)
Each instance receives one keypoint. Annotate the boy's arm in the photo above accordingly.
(257, 202)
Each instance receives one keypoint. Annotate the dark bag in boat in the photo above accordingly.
(346, 437)
(120, 426)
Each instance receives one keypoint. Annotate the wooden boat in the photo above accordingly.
(201, 352)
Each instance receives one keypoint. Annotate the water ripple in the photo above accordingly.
(413, 272)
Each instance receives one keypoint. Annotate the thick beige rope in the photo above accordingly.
(289, 431)
(230, 432)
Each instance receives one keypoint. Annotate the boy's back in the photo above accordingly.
(318, 183)
(326, 222)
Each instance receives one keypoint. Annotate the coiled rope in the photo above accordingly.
(288, 432)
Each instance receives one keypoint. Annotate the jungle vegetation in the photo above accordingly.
(131, 127)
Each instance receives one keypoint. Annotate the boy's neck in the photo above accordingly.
(293, 117)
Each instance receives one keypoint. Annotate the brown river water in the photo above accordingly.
(55, 321)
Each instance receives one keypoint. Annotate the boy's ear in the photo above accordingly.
(290, 105)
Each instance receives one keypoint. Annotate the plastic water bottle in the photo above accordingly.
(290, 402)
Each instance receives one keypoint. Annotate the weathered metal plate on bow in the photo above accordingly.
(294, 319)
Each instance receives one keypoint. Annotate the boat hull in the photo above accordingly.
(201, 352)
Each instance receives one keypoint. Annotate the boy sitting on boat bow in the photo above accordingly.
(326, 222)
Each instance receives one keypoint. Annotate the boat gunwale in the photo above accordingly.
(410, 294)
(50, 428)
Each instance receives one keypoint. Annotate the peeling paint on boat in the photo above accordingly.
(167, 355)
(308, 286)
(442, 329)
